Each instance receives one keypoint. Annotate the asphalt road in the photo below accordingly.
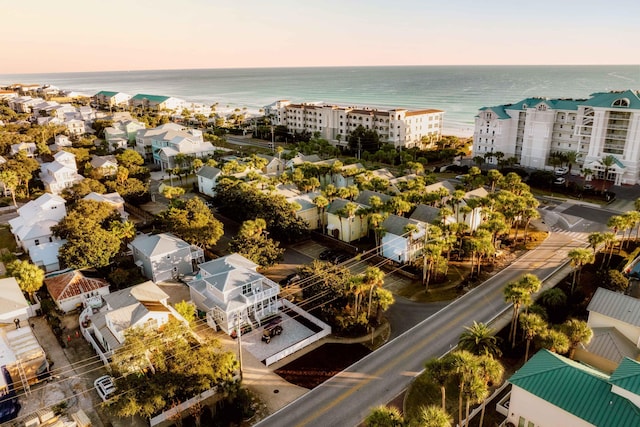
(347, 398)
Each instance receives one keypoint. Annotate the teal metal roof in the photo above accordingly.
(106, 93)
(627, 376)
(578, 390)
(152, 98)
(499, 110)
(607, 99)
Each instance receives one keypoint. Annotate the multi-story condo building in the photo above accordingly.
(400, 127)
(605, 124)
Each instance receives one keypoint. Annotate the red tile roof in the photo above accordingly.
(72, 284)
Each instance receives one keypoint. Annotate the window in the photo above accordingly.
(246, 289)
(623, 102)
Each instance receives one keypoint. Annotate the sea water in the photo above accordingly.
(458, 90)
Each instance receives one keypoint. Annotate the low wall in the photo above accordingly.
(326, 330)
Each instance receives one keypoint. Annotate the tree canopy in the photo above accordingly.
(30, 277)
(194, 223)
(155, 369)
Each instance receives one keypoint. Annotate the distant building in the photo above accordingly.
(155, 102)
(605, 124)
(107, 99)
(399, 127)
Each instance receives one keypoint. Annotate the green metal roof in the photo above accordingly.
(627, 376)
(106, 93)
(578, 390)
(606, 99)
(152, 98)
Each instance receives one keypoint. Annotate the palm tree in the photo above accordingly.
(384, 416)
(433, 416)
(491, 372)
(609, 240)
(532, 325)
(494, 176)
(595, 239)
(579, 257)
(464, 365)
(607, 162)
(516, 295)
(373, 278)
(479, 339)
(440, 370)
(321, 203)
(586, 172)
(572, 157)
(553, 298)
(555, 341)
(578, 332)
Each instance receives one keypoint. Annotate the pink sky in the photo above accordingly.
(83, 35)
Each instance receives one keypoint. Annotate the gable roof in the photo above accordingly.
(158, 244)
(395, 224)
(11, 297)
(364, 196)
(71, 284)
(338, 204)
(438, 185)
(611, 344)
(627, 376)
(106, 93)
(425, 213)
(617, 306)
(576, 389)
(208, 172)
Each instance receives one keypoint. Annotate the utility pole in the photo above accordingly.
(359, 148)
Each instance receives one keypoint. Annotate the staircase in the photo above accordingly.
(23, 378)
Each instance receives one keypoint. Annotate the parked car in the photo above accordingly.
(327, 254)
(562, 171)
(104, 386)
(272, 329)
(559, 181)
(588, 187)
(340, 258)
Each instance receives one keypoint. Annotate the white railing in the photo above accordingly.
(172, 413)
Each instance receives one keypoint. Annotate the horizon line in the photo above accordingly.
(315, 66)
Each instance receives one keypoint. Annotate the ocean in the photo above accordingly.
(458, 90)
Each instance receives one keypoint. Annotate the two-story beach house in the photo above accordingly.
(143, 305)
(164, 256)
(233, 293)
(61, 173)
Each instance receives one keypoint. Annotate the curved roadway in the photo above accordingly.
(346, 399)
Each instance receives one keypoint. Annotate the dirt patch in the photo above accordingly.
(319, 365)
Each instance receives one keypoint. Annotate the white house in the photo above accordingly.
(45, 255)
(61, 173)
(29, 148)
(33, 224)
(105, 165)
(551, 390)
(165, 152)
(164, 256)
(233, 293)
(399, 245)
(13, 304)
(614, 319)
(207, 180)
(61, 141)
(75, 127)
(72, 290)
(114, 199)
(145, 138)
(143, 305)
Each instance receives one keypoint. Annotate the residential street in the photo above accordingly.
(346, 399)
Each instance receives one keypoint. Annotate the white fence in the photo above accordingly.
(326, 330)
